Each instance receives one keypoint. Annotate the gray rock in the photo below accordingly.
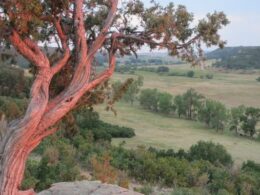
(86, 188)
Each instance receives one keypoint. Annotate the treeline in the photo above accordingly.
(206, 168)
(237, 57)
(164, 70)
(194, 106)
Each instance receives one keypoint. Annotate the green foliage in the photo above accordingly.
(149, 99)
(165, 102)
(12, 108)
(237, 57)
(214, 114)
(162, 69)
(235, 118)
(211, 152)
(244, 119)
(190, 74)
(192, 102)
(249, 120)
(180, 74)
(180, 105)
(89, 123)
(258, 79)
(13, 83)
(130, 89)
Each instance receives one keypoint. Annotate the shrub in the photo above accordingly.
(258, 79)
(177, 74)
(214, 153)
(162, 69)
(209, 76)
(190, 73)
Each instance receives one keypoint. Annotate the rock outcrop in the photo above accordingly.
(86, 188)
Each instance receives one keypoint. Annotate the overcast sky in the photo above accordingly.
(244, 15)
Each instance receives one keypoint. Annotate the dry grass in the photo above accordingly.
(231, 88)
(164, 132)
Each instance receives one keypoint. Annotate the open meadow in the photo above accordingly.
(231, 88)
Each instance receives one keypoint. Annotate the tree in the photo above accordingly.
(192, 102)
(235, 118)
(214, 153)
(180, 106)
(165, 102)
(81, 29)
(214, 114)
(249, 120)
(133, 90)
(149, 99)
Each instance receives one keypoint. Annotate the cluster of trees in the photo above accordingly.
(166, 71)
(146, 60)
(193, 106)
(237, 57)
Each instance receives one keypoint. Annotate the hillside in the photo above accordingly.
(236, 57)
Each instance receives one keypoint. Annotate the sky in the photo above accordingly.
(244, 15)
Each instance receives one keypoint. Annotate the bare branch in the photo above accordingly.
(102, 35)
(64, 42)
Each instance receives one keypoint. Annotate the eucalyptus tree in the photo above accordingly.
(81, 29)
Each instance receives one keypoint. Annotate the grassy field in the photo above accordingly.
(164, 132)
(232, 88)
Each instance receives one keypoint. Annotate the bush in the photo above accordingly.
(258, 79)
(214, 153)
(209, 76)
(177, 74)
(162, 69)
(190, 73)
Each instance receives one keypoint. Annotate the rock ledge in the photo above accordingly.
(86, 188)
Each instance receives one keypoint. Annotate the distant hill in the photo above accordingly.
(236, 57)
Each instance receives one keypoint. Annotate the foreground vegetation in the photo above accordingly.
(205, 168)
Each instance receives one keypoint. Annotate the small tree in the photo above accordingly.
(214, 114)
(82, 29)
(214, 153)
(149, 99)
(249, 120)
(235, 118)
(192, 102)
(180, 106)
(133, 90)
(165, 102)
